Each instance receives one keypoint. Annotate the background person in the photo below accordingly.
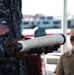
(65, 65)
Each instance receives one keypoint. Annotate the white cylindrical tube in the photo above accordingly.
(42, 41)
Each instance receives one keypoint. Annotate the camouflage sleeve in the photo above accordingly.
(59, 68)
(1, 50)
(4, 11)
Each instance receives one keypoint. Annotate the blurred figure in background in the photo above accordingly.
(39, 32)
(65, 65)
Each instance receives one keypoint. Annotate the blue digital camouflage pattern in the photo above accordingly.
(10, 11)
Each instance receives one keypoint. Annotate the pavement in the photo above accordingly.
(48, 73)
(50, 61)
(48, 69)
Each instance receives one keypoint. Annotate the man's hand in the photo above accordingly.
(50, 49)
(45, 50)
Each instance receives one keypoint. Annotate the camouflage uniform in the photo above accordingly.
(10, 11)
(65, 65)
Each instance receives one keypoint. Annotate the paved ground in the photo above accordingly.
(50, 68)
(48, 73)
(50, 61)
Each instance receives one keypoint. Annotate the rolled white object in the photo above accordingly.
(42, 41)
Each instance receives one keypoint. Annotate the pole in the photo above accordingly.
(64, 24)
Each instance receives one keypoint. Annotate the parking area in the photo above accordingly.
(49, 62)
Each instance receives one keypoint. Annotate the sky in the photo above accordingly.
(46, 7)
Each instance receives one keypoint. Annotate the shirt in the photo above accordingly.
(10, 11)
(65, 65)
